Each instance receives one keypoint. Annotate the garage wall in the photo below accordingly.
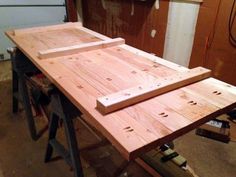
(211, 45)
(182, 19)
(165, 28)
(141, 23)
(19, 17)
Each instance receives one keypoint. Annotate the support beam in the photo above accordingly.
(58, 52)
(142, 92)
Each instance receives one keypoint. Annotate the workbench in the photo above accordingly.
(86, 66)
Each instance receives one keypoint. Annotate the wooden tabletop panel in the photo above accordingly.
(84, 77)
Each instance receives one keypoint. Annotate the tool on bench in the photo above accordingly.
(215, 129)
(166, 162)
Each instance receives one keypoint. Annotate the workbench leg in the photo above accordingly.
(21, 65)
(64, 110)
(52, 134)
(15, 90)
(27, 106)
(72, 144)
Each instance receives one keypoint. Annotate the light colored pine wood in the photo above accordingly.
(89, 72)
(88, 75)
(57, 52)
(124, 98)
(18, 32)
(155, 59)
(113, 126)
(94, 33)
(215, 92)
(222, 85)
(139, 52)
(140, 62)
(188, 105)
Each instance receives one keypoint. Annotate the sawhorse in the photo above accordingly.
(63, 109)
(21, 67)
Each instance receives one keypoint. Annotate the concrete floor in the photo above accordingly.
(22, 157)
(5, 70)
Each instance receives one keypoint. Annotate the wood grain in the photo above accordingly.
(18, 32)
(84, 77)
(57, 52)
(128, 97)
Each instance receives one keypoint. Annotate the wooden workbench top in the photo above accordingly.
(87, 75)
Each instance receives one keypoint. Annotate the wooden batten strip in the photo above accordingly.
(19, 32)
(51, 53)
(127, 97)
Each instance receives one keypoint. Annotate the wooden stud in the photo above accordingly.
(127, 97)
(51, 53)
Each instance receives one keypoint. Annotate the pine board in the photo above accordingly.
(142, 92)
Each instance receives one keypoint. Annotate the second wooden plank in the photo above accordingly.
(140, 93)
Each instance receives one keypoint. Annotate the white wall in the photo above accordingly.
(20, 17)
(180, 32)
(31, 2)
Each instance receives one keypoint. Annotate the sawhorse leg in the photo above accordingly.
(27, 106)
(61, 110)
(20, 66)
(15, 89)
(54, 120)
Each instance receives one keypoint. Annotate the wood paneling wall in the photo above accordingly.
(71, 11)
(140, 23)
(211, 45)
